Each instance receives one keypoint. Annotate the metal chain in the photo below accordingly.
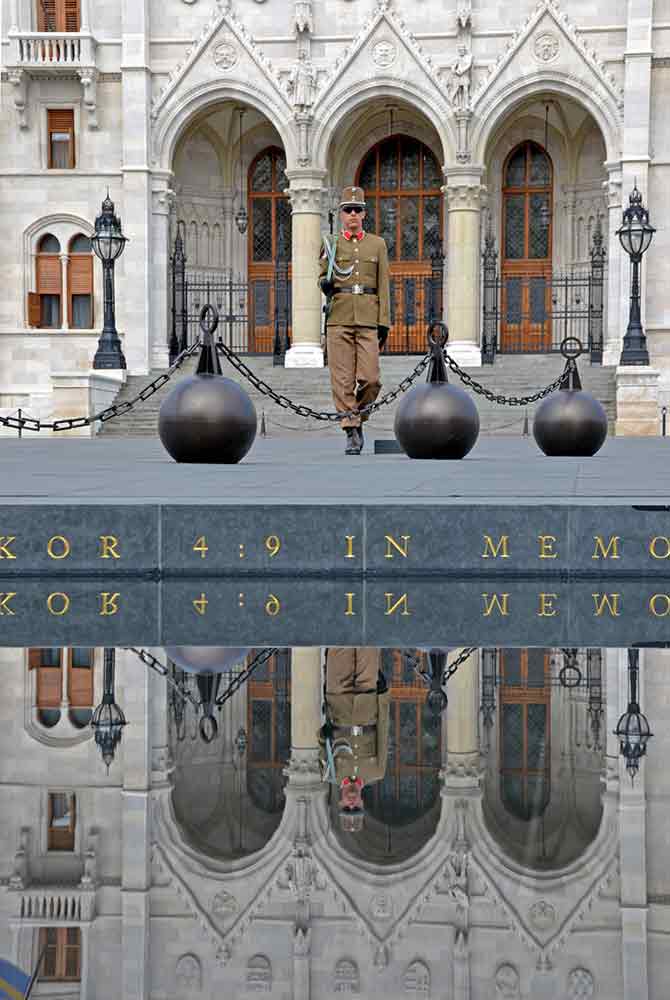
(150, 661)
(449, 671)
(115, 410)
(307, 411)
(239, 679)
(508, 400)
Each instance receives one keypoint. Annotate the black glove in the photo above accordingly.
(327, 287)
(382, 686)
(382, 336)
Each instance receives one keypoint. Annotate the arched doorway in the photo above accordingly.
(402, 181)
(527, 201)
(269, 246)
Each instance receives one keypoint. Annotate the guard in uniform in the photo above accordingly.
(354, 276)
(355, 738)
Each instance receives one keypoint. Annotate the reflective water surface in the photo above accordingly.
(453, 822)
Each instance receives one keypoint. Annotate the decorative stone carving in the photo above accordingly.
(20, 876)
(302, 942)
(381, 906)
(225, 56)
(19, 81)
(546, 46)
(507, 983)
(188, 973)
(456, 874)
(384, 53)
(381, 959)
(89, 878)
(417, 980)
(89, 82)
(224, 905)
(259, 974)
(580, 984)
(347, 979)
(302, 83)
(304, 20)
(542, 915)
(464, 15)
(458, 82)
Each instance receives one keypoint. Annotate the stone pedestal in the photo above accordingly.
(306, 195)
(464, 199)
(637, 401)
(80, 394)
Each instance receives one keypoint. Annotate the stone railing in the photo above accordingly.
(54, 904)
(51, 50)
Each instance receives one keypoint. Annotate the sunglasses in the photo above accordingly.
(353, 208)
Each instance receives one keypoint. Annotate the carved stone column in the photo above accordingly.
(162, 198)
(463, 764)
(617, 305)
(305, 192)
(306, 696)
(465, 194)
(64, 318)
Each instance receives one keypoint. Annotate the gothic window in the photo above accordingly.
(61, 821)
(58, 15)
(401, 179)
(525, 701)
(50, 664)
(269, 241)
(60, 130)
(80, 283)
(62, 959)
(268, 726)
(44, 305)
(347, 979)
(527, 199)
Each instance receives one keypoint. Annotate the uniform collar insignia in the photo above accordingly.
(349, 236)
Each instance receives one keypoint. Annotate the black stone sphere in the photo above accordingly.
(206, 659)
(207, 418)
(437, 420)
(570, 422)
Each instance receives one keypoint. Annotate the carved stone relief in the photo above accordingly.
(225, 56)
(542, 915)
(417, 980)
(259, 974)
(580, 984)
(347, 979)
(381, 906)
(384, 53)
(546, 46)
(507, 983)
(188, 973)
(224, 905)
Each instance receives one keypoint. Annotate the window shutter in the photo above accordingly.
(34, 658)
(80, 687)
(49, 687)
(60, 119)
(46, 15)
(71, 15)
(79, 280)
(34, 315)
(49, 280)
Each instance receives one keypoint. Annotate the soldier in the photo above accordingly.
(355, 278)
(355, 736)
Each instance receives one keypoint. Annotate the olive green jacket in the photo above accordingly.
(369, 258)
(370, 749)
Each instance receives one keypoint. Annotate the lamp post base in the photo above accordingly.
(106, 359)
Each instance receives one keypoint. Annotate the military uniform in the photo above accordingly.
(357, 708)
(358, 307)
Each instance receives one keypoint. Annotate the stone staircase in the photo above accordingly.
(511, 375)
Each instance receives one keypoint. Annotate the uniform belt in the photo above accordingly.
(357, 730)
(357, 290)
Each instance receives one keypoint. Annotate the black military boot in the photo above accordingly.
(351, 447)
(362, 439)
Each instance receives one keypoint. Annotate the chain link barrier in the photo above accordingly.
(494, 397)
(114, 410)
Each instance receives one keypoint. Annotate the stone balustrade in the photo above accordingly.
(50, 50)
(57, 903)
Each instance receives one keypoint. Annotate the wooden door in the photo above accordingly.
(526, 241)
(525, 726)
(269, 230)
(402, 179)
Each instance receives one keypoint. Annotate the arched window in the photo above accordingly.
(44, 306)
(80, 283)
(51, 666)
(269, 238)
(402, 181)
(525, 700)
(58, 15)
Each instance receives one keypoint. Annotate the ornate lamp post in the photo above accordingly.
(635, 236)
(108, 244)
(241, 217)
(108, 719)
(632, 728)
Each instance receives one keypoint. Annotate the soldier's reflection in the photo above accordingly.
(355, 736)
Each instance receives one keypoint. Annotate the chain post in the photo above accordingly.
(436, 310)
(490, 297)
(179, 278)
(596, 294)
(281, 301)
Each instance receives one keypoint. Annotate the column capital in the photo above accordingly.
(305, 191)
(464, 189)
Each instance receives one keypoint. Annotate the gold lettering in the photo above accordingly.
(200, 604)
(350, 605)
(495, 549)
(391, 543)
(495, 602)
(66, 547)
(604, 602)
(350, 546)
(109, 603)
(5, 598)
(546, 546)
(272, 606)
(201, 546)
(604, 550)
(546, 608)
(50, 604)
(652, 547)
(401, 602)
(273, 545)
(652, 605)
(109, 543)
(5, 541)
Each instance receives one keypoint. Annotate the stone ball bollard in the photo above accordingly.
(207, 418)
(570, 422)
(437, 420)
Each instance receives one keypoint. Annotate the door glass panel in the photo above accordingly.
(261, 730)
(432, 238)
(281, 181)
(261, 179)
(388, 218)
(538, 300)
(370, 221)
(514, 227)
(512, 667)
(408, 733)
(540, 172)
(432, 177)
(368, 174)
(537, 735)
(262, 229)
(513, 300)
(512, 736)
(410, 164)
(516, 169)
(538, 237)
(409, 228)
(536, 658)
(388, 165)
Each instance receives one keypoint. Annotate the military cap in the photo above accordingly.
(352, 196)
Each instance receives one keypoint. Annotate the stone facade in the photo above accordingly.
(155, 90)
(459, 911)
